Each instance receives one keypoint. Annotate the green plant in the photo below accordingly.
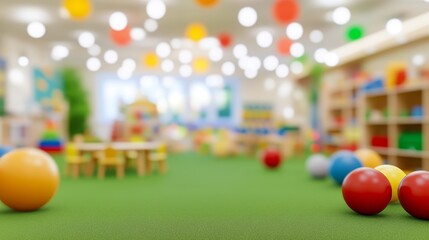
(77, 99)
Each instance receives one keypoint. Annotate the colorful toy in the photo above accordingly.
(369, 158)
(395, 176)
(380, 141)
(317, 165)
(51, 142)
(271, 158)
(410, 140)
(29, 179)
(4, 150)
(342, 163)
(417, 112)
(366, 191)
(413, 194)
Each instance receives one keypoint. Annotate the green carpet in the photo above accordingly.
(202, 197)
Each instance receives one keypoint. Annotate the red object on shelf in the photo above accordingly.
(380, 141)
(351, 147)
(401, 77)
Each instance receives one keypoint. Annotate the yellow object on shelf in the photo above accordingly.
(392, 73)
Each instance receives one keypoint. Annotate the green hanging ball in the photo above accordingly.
(355, 32)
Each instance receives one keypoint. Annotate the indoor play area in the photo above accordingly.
(214, 119)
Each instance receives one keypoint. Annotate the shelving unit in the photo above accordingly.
(407, 144)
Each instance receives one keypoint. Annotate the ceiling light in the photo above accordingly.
(137, 34)
(296, 67)
(271, 63)
(297, 50)
(316, 36)
(394, 26)
(167, 65)
(239, 51)
(247, 16)
(86, 39)
(282, 71)
(118, 21)
(36, 29)
(23, 61)
(94, 50)
(251, 73)
(156, 9)
(341, 15)
(418, 59)
(294, 31)
(228, 68)
(129, 64)
(150, 25)
(320, 55)
(111, 56)
(93, 64)
(332, 59)
(216, 54)
(264, 39)
(163, 50)
(185, 71)
(185, 56)
(59, 52)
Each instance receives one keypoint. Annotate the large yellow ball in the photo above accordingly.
(78, 9)
(395, 176)
(196, 32)
(29, 178)
(369, 158)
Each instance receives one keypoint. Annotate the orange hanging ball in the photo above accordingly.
(122, 37)
(207, 3)
(29, 178)
(285, 11)
(78, 9)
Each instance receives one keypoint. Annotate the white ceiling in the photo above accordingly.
(372, 14)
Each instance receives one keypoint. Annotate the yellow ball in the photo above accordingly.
(151, 60)
(395, 176)
(78, 9)
(200, 65)
(369, 158)
(29, 179)
(196, 32)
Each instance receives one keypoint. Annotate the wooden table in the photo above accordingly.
(143, 150)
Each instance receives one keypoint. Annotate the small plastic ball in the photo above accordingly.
(395, 176)
(342, 163)
(317, 165)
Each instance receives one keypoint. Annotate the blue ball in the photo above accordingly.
(4, 150)
(342, 163)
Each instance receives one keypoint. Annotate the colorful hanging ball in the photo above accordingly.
(200, 65)
(151, 60)
(121, 38)
(225, 39)
(283, 46)
(78, 9)
(285, 11)
(355, 32)
(196, 32)
(207, 3)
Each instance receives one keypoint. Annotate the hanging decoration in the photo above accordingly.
(225, 39)
(283, 46)
(196, 32)
(200, 65)
(78, 9)
(121, 38)
(354, 33)
(285, 11)
(207, 3)
(151, 60)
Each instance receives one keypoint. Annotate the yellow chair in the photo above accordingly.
(74, 161)
(160, 156)
(111, 158)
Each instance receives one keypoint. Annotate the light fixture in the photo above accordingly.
(36, 29)
(394, 26)
(264, 39)
(163, 50)
(294, 31)
(59, 52)
(155, 9)
(137, 34)
(150, 25)
(93, 64)
(297, 50)
(118, 21)
(23, 61)
(296, 67)
(282, 71)
(418, 59)
(185, 56)
(86, 39)
(228, 68)
(332, 59)
(111, 56)
(94, 50)
(251, 73)
(129, 64)
(316, 36)
(341, 15)
(216, 54)
(167, 65)
(320, 55)
(271, 62)
(239, 51)
(247, 16)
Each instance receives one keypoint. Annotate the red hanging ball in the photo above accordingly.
(225, 39)
(122, 37)
(285, 11)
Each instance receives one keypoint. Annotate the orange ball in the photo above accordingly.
(369, 158)
(207, 3)
(29, 179)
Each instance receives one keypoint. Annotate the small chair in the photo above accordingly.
(74, 161)
(160, 156)
(111, 158)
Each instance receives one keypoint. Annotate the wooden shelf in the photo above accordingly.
(383, 151)
(410, 120)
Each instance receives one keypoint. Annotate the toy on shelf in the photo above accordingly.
(396, 74)
(410, 140)
(417, 112)
(51, 142)
(380, 141)
(376, 85)
(140, 122)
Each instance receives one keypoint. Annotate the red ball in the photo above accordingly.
(285, 11)
(272, 158)
(413, 193)
(225, 39)
(367, 191)
(122, 37)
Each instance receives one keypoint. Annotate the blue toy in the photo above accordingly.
(417, 112)
(4, 150)
(342, 163)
